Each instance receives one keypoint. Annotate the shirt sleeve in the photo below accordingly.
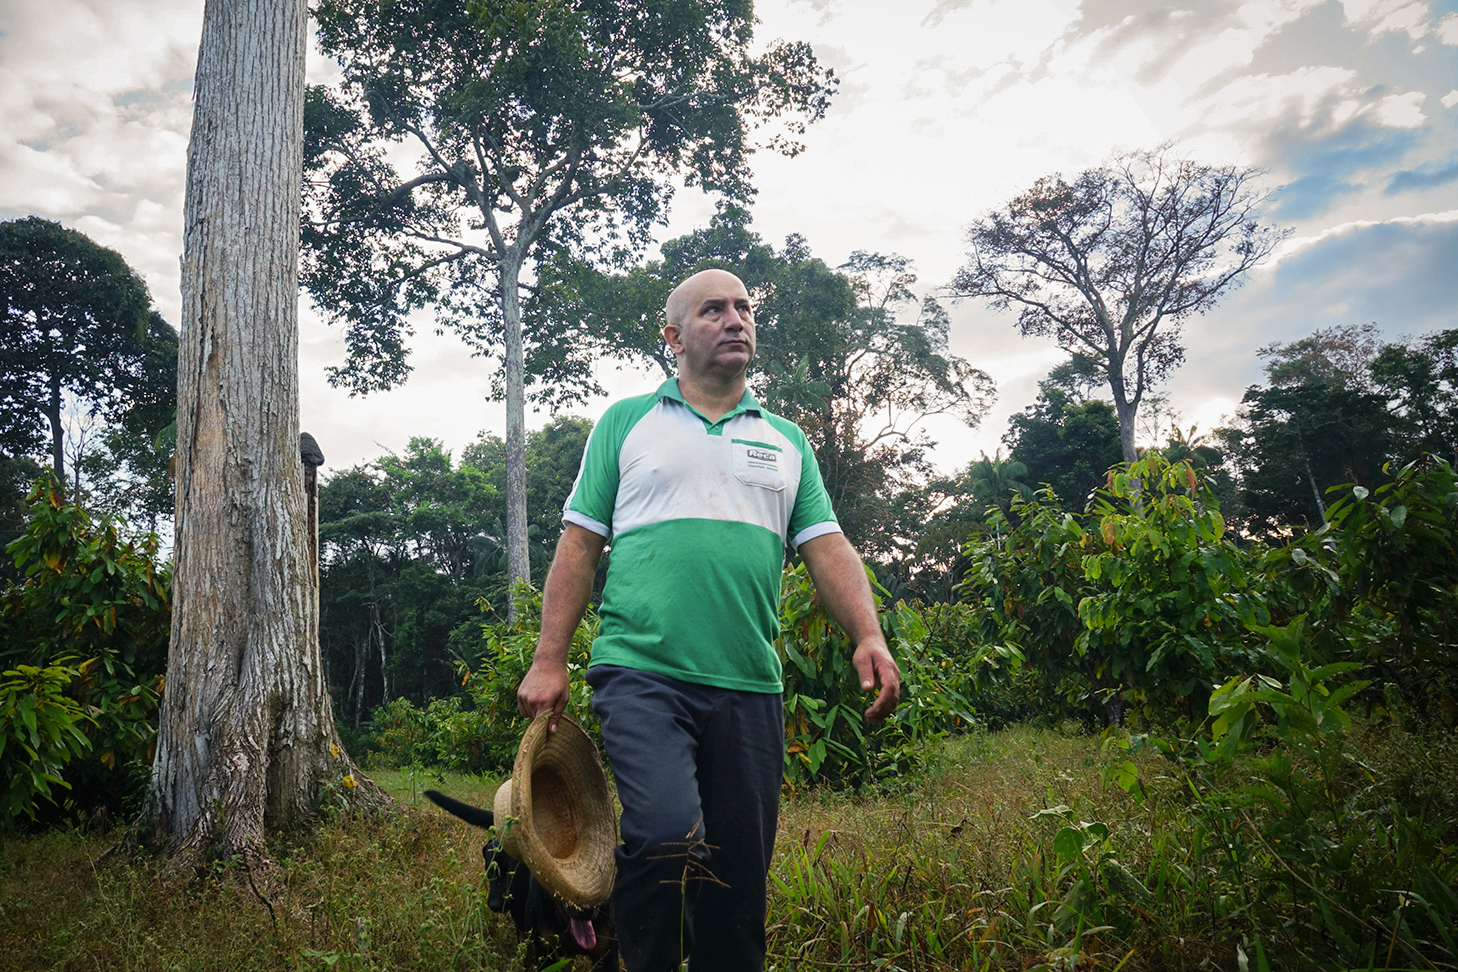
(813, 515)
(595, 493)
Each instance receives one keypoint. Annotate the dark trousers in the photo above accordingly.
(698, 770)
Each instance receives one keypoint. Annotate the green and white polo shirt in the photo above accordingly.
(698, 514)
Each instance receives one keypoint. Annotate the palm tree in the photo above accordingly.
(994, 481)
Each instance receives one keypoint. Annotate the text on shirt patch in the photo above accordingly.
(758, 463)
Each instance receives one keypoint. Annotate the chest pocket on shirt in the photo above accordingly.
(759, 464)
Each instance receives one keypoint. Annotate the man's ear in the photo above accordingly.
(672, 335)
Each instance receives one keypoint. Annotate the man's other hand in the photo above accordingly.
(879, 673)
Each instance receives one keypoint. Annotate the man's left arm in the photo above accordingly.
(840, 578)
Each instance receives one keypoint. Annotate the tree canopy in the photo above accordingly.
(848, 353)
(1340, 406)
(1111, 263)
(1065, 440)
(77, 323)
(533, 127)
(412, 551)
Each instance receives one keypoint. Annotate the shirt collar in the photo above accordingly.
(669, 390)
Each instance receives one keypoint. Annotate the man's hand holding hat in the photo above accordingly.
(545, 689)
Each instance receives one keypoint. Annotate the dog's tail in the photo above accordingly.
(468, 813)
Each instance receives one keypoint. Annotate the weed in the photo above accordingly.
(1014, 853)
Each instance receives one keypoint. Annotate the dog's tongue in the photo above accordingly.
(583, 931)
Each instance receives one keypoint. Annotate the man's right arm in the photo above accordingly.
(564, 599)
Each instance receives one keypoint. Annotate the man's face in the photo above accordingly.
(716, 336)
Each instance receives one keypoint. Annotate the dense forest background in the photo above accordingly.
(1257, 622)
(412, 545)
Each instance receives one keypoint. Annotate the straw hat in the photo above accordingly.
(564, 829)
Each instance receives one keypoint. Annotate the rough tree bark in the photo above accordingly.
(518, 563)
(246, 742)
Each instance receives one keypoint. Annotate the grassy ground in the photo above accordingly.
(957, 871)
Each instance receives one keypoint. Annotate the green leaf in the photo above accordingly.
(1068, 844)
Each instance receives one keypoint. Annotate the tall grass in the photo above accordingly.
(1007, 853)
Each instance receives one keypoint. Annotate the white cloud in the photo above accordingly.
(95, 116)
(1384, 16)
(947, 108)
(1297, 244)
(1401, 110)
(1448, 30)
(1253, 101)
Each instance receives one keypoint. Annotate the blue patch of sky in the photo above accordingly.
(1329, 167)
(1426, 178)
(1330, 161)
(1398, 275)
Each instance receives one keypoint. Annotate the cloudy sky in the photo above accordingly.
(947, 108)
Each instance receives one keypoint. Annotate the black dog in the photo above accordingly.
(553, 931)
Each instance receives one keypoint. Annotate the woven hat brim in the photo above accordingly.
(565, 829)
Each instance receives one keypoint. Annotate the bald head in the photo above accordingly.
(710, 329)
(681, 301)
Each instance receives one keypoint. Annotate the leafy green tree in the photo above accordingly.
(887, 368)
(130, 474)
(1391, 555)
(535, 126)
(1110, 264)
(1320, 422)
(1144, 601)
(412, 552)
(94, 605)
(848, 353)
(76, 322)
(17, 475)
(40, 733)
(996, 481)
(1420, 381)
(438, 508)
(1295, 443)
(957, 508)
(1340, 356)
(554, 456)
(400, 568)
(358, 558)
(1066, 442)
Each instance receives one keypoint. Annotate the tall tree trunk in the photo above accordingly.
(53, 415)
(355, 692)
(1128, 413)
(385, 695)
(246, 736)
(1306, 464)
(518, 564)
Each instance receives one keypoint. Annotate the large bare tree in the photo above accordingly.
(246, 741)
(1112, 263)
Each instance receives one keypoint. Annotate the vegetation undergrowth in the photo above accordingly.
(1010, 850)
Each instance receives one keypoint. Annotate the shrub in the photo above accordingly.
(1302, 847)
(39, 735)
(1139, 605)
(1390, 563)
(95, 606)
(828, 741)
(479, 730)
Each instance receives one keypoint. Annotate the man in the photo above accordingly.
(700, 489)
